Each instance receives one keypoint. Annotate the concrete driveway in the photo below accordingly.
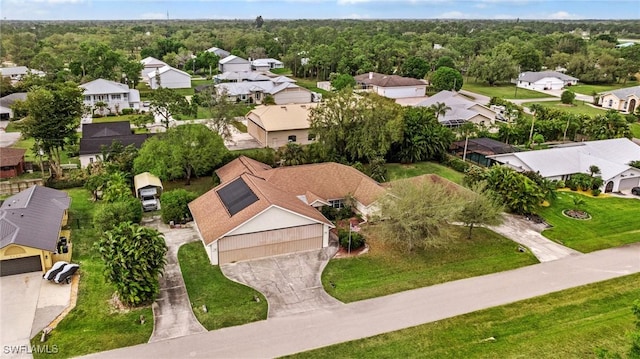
(291, 283)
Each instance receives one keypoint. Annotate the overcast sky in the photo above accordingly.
(318, 9)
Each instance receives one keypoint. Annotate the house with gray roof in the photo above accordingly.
(95, 136)
(6, 113)
(625, 100)
(283, 89)
(544, 80)
(461, 109)
(233, 63)
(30, 228)
(16, 73)
(150, 64)
(266, 64)
(169, 77)
(115, 95)
(611, 156)
(219, 52)
(240, 76)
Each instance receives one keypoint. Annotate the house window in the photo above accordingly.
(258, 95)
(243, 97)
(116, 97)
(87, 98)
(102, 98)
(90, 159)
(311, 137)
(336, 203)
(610, 103)
(291, 138)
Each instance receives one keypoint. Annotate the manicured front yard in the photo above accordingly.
(635, 129)
(614, 222)
(94, 325)
(568, 324)
(586, 89)
(579, 107)
(398, 171)
(30, 155)
(386, 270)
(228, 303)
(502, 91)
(114, 118)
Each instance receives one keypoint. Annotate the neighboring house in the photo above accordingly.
(544, 80)
(276, 125)
(30, 229)
(233, 63)
(115, 95)
(241, 76)
(282, 88)
(624, 100)
(169, 77)
(6, 113)
(612, 157)
(97, 135)
(625, 44)
(219, 52)
(477, 149)
(391, 86)
(258, 211)
(461, 109)
(266, 64)
(16, 73)
(11, 162)
(151, 64)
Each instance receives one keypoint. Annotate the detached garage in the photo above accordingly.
(248, 218)
(30, 225)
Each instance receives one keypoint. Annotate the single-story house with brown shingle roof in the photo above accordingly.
(258, 211)
(274, 126)
(11, 162)
(391, 86)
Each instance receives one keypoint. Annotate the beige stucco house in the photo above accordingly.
(625, 100)
(276, 125)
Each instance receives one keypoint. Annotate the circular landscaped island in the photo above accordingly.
(576, 214)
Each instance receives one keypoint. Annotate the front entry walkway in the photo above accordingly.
(527, 233)
(172, 312)
(291, 283)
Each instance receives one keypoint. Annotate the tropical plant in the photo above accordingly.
(111, 214)
(520, 194)
(440, 109)
(291, 154)
(175, 205)
(117, 188)
(134, 257)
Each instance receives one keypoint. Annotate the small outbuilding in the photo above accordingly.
(145, 181)
(11, 162)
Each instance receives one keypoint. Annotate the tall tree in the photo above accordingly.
(446, 78)
(424, 138)
(480, 207)
(181, 152)
(53, 116)
(166, 103)
(134, 257)
(496, 67)
(415, 67)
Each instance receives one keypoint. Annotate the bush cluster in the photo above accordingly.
(175, 205)
(357, 239)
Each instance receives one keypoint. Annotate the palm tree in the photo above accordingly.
(292, 154)
(440, 108)
(594, 170)
(536, 108)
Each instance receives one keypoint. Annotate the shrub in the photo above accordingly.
(127, 111)
(457, 164)
(567, 97)
(111, 214)
(595, 192)
(329, 212)
(75, 178)
(174, 205)
(357, 240)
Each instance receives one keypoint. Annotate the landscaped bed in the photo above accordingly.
(614, 222)
(569, 324)
(228, 303)
(386, 270)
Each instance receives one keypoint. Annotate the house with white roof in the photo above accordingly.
(266, 64)
(283, 89)
(391, 86)
(240, 76)
(611, 156)
(544, 80)
(233, 63)
(16, 73)
(115, 95)
(461, 109)
(150, 64)
(169, 77)
(219, 52)
(624, 100)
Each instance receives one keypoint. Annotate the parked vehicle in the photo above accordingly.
(65, 274)
(55, 269)
(636, 191)
(149, 200)
(148, 189)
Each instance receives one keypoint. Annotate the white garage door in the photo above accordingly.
(628, 183)
(270, 243)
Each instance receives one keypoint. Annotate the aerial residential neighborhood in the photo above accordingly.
(387, 183)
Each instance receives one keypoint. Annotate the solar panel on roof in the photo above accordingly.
(236, 196)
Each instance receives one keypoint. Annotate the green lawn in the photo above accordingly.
(580, 108)
(195, 83)
(311, 85)
(635, 129)
(114, 118)
(502, 91)
(385, 269)
(30, 155)
(569, 324)
(398, 171)
(199, 185)
(614, 222)
(228, 303)
(586, 89)
(93, 325)
(12, 127)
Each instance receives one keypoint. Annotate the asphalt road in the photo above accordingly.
(287, 335)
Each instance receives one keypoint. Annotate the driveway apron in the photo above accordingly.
(291, 283)
(528, 234)
(172, 312)
(19, 295)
